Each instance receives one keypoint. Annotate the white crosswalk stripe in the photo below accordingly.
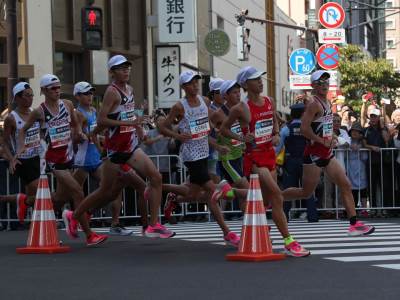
(327, 239)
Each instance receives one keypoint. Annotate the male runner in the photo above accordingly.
(231, 163)
(317, 127)
(88, 160)
(117, 114)
(256, 116)
(59, 124)
(192, 113)
(27, 165)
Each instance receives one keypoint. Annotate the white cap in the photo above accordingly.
(317, 75)
(247, 73)
(341, 97)
(375, 112)
(19, 87)
(117, 60)
(188, 76)
(228, 84)
(82, 87)
(215, 84)
(48, 79)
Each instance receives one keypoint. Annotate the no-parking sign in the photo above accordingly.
(328, 56)
(331, 15)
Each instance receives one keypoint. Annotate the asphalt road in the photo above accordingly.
(140, 268)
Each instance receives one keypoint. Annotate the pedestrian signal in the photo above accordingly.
(92, 28)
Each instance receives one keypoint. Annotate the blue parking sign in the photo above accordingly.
(302, 61)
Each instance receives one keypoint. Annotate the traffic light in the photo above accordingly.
(92, 28)
(242, 39)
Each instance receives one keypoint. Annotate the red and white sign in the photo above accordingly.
(328, 56)
(303, 82)
(332, 36)
(331, 15)
(300, 82)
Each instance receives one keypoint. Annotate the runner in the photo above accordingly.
(192, 113)
(256, 116)
(88, 160)
(230, 162)
(117, 114)
(59, 124)
(27, 165)
(317, 127)
(217, 101)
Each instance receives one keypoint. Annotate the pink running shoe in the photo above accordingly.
(360, 229)
(21, 207)
(221, 190)
(170, 205)
(95, 239)
(296, 250)
(71, 224)
(158, 231)
(232, 239)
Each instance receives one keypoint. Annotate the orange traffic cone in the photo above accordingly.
(43, 235)
(255, 244)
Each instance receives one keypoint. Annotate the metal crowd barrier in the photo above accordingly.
(383, 187)
(382, 180)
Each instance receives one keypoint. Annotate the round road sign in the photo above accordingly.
(217, 42)
(328, 56)
(331, 15)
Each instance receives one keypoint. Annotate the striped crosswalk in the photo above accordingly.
(327, 239)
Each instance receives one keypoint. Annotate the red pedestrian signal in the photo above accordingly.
(92, 28)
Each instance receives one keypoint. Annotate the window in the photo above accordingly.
(390, 44)
(390, 24)
(68, 67)
(220, 22)
(392, 61)
(388, 4)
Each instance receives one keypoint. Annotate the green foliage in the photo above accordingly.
(360, 74)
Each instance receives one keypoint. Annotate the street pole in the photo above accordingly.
(12, 48)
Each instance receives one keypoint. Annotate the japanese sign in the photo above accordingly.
(328, 56)
(331, 15)
(168, 66)
(300, 82)
(332, 36)
(217, 42)
(302, 61)
(176, 21)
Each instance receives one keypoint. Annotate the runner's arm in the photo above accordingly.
(310, 112)
(234, 115)
(165, 128)
(35, 115)
(111, 98)
(77, 134)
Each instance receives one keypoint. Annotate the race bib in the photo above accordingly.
(236, 129)
(263, 131)
(92, 127)
(32, 138)
(128, 115)
(327, 128)
(60, 135)
(199, 128)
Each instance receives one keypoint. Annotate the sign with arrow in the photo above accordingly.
(331, 15)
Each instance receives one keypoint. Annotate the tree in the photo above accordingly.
(360, 74)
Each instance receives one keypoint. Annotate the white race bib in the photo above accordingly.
(237, 130)
(199, 128)
(327, 127)
(60, 135)
(32, 138)
(128, 115)
(263, 131)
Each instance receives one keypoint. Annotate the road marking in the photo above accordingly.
(364, 258)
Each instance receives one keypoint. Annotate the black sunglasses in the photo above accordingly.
(86, 93)
(322, 81)
(54, 88)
